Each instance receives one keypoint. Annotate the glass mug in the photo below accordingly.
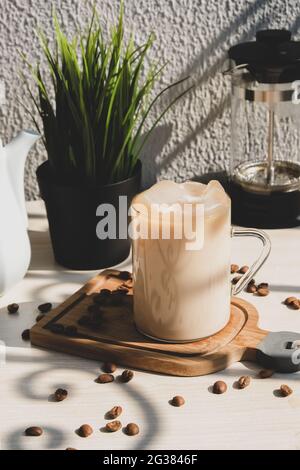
(183, 295)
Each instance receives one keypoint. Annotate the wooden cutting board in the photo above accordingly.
(111, 334)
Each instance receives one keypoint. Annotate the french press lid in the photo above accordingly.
(273, 58)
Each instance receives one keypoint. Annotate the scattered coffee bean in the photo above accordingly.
(102, 297)
(132, 429)
(295, 304)
(285, 390)
(26, 335)
(34, 431)
(263, 285)
(252, 281)
(244, 381)
(105, 292)
(71, 330)
(113, 426)
(105, 378)
(85, 430)
(114, 412)
(71, 448)
(57, 328)
(251, 288)
(236, 279)
(109, 367)
(127, 375)
(122, 290)
(243, 269)
(289, 300)
(263, 292)
(177, 401)
(45, 308)
(13, 308)
(125, 275)
(234, 268)
(40, 317)
(60, 394)
(265, 373)
(219, 387)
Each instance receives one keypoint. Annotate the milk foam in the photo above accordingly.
(169, 193)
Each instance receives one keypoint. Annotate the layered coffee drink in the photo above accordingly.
(181, 258)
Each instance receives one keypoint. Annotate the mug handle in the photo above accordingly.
(266, 242)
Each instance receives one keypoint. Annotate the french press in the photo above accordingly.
(264, 175)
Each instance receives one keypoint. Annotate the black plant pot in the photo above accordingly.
(71, 212)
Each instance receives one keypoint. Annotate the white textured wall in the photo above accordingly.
(193, 35)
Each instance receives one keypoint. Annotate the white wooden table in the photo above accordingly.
(254, 418)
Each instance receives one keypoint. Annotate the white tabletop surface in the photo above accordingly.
(253, 418)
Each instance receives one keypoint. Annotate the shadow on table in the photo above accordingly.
(17, 439)
(26, 385)
(284, 288)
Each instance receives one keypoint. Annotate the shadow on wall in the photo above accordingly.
(200, 76)
(157, 140)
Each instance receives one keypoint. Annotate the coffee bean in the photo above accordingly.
(40, 317)
(45, 308)
(13, 308)
(289, 300)
(251, 288)
(120, 291)
(71, 448)
(285, 390)
(105, 378)
(71, 330)
(60, 394)
(34, 431)
(252, 281)
(295, 305)
(265, 373)
(57, 328)
(244, 381)
(127, 375)
(85, 430)
(109, 367)
(113, 426)
(263, 285)
(177, 401)
(263, 292)
(125, 275)
(234, 268)
(114, 412)
(26, 335)
(243, 269)
(219, 387)
(105, 292)
(236, 279)
(132, 429)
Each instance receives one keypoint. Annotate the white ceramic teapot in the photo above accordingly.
(14, 242)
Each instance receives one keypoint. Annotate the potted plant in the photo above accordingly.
(93, 106)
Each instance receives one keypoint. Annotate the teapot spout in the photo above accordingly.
(16, 152)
